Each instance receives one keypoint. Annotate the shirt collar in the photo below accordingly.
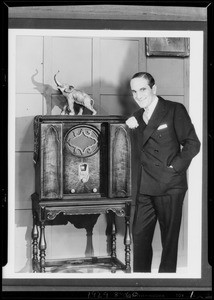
(152, 106)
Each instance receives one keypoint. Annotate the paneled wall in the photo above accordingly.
(101, 67)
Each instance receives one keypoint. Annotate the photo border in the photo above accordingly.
(136, 284)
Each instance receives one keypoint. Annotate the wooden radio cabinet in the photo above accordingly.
(82, 167)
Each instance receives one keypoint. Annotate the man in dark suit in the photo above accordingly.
(167, 142)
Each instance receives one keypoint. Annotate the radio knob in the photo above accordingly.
(94, 190)
(72, 191)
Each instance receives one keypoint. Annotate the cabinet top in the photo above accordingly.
(79, 119)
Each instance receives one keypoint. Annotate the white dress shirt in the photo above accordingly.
(150, 109)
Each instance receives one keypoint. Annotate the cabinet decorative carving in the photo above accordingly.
(83, 169)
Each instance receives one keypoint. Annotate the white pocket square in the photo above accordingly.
(162, 126)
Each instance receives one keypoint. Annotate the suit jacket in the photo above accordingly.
(168, 139)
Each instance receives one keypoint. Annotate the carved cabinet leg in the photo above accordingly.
(113, 242)
(113, 237)
(89, 251)
(42, 247)
(35, 235)
(127, 240)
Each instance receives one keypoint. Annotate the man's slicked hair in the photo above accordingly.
(145, 75)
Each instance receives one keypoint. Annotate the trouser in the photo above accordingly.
(167, 210)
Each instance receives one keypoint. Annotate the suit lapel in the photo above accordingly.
(154, 122)
(138, 115)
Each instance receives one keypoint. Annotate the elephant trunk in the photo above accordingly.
(38, 85)
(56, 81)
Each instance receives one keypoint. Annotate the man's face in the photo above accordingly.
(141, 91)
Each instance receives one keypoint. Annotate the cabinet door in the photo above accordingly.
(120, 161)
(51, 161)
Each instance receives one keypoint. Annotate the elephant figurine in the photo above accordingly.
(74, 96)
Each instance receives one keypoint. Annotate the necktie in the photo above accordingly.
(145, 116)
